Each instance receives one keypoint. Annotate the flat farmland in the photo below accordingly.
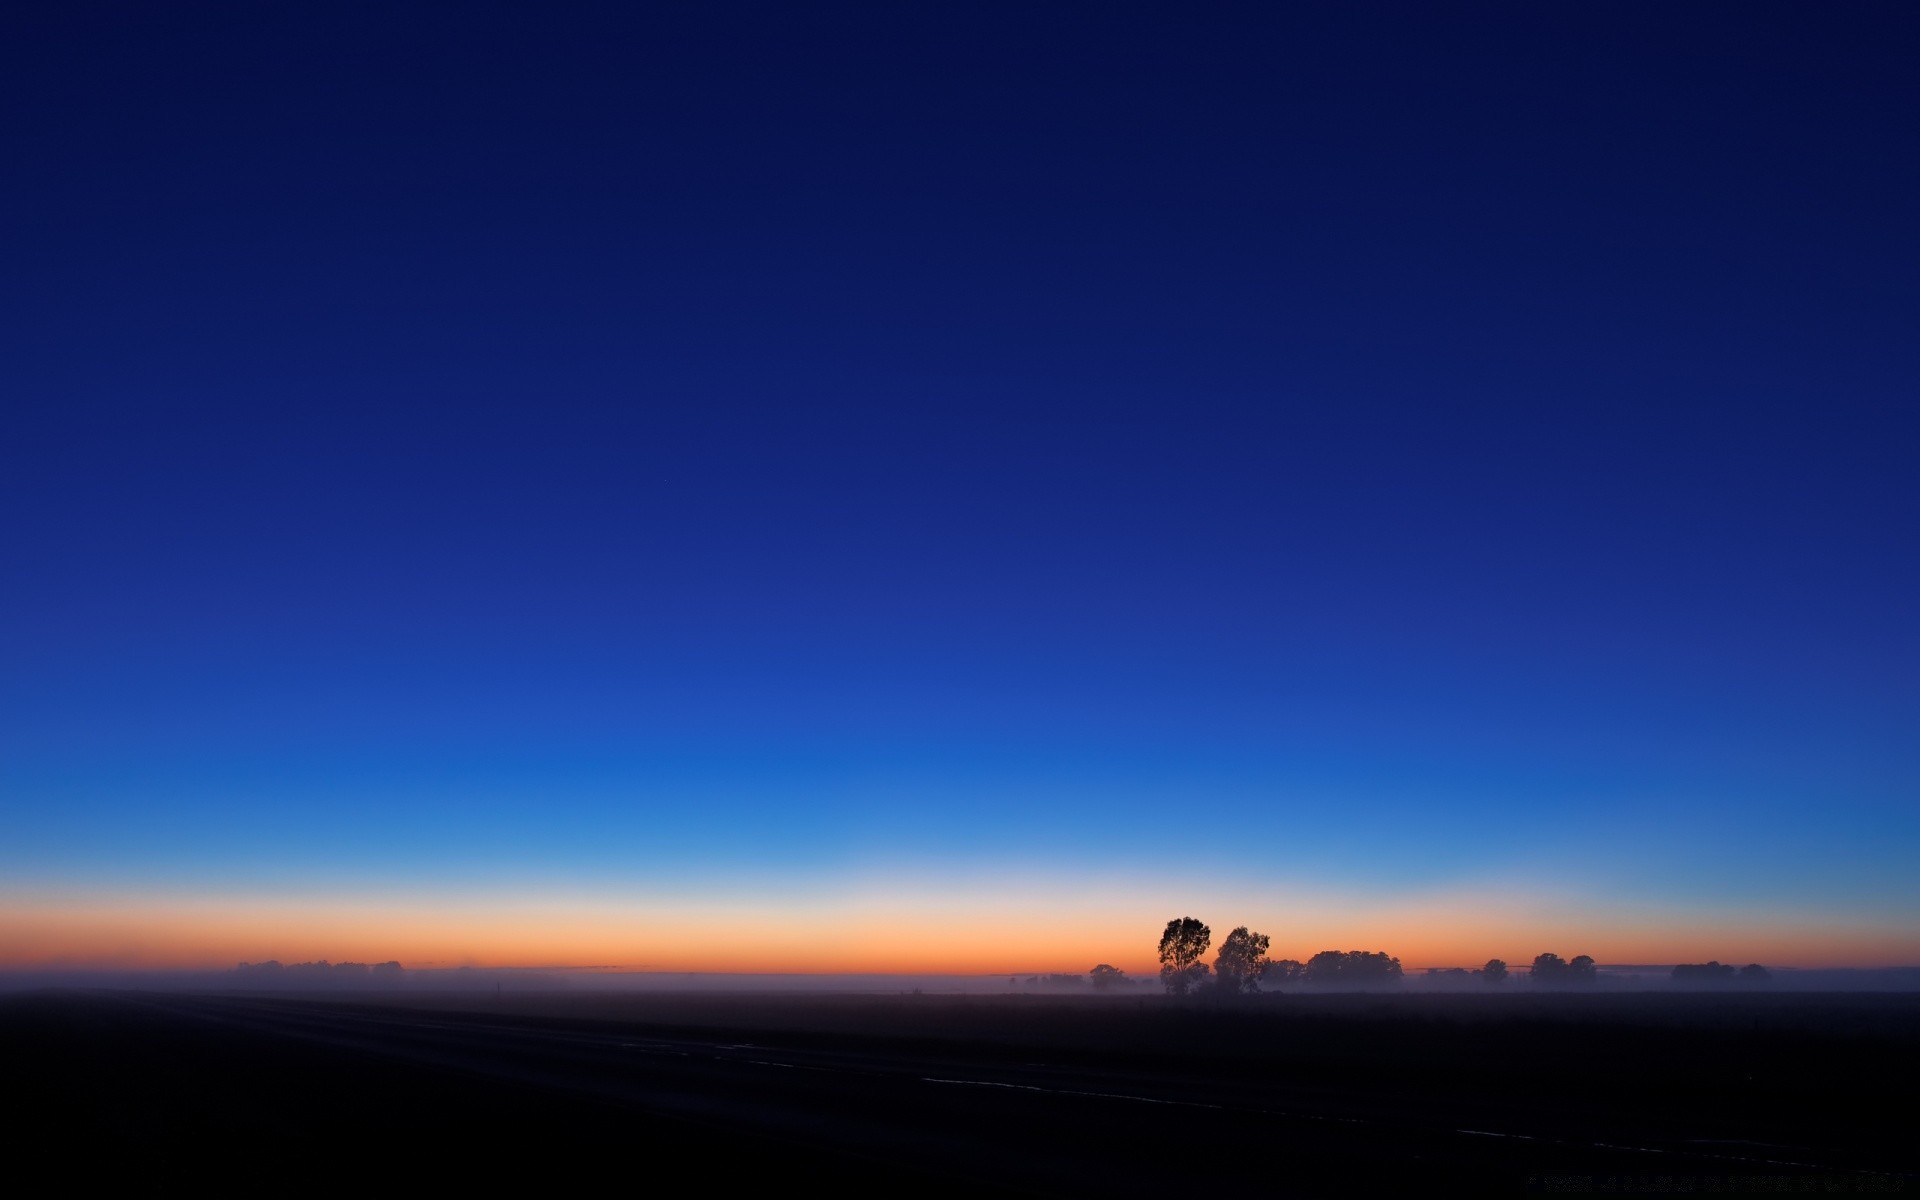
(1285, 1095)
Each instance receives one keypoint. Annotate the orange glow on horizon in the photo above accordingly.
(950, 935)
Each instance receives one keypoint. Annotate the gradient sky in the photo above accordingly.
(950, 487)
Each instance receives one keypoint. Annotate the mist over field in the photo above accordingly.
(1611, 980)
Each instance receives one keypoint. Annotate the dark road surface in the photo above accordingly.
(225, 1088)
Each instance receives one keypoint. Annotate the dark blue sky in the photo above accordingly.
(496, 442)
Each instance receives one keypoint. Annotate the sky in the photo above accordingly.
(950, 487)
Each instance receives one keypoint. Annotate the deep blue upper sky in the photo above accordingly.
(594, 439)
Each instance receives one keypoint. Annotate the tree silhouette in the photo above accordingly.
(1284, 970)
(1707, 972)
(1181, 946)
(1242, 958)
(1494, 972)
(1554, 971)
(1360, 968)
(1105, 976)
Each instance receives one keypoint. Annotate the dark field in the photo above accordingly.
(1291, 1095)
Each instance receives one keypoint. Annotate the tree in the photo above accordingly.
(1494, 972)
(1353, 968)
(1106, 976)
(1284, 970)
(1242, 958)
(1548, 968)
(1181, 946)
(1325, 967)
(1704, 973)
(1755, 973)
(1580, 970)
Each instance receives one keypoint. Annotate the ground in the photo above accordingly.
(1284, 1095)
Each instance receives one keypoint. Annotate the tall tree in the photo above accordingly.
(1181, 946)
(1241, 961)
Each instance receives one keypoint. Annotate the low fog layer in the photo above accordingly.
(392, 977)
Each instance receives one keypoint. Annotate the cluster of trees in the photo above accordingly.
(1362, 968)
(1554, 971)
(1242, 963)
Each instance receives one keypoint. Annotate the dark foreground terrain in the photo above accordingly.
(1288, 1096)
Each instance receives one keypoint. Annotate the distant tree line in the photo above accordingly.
(1103, 977)
(1712, 973)
(319, 974)
(1057, 979)
(1242, 965)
